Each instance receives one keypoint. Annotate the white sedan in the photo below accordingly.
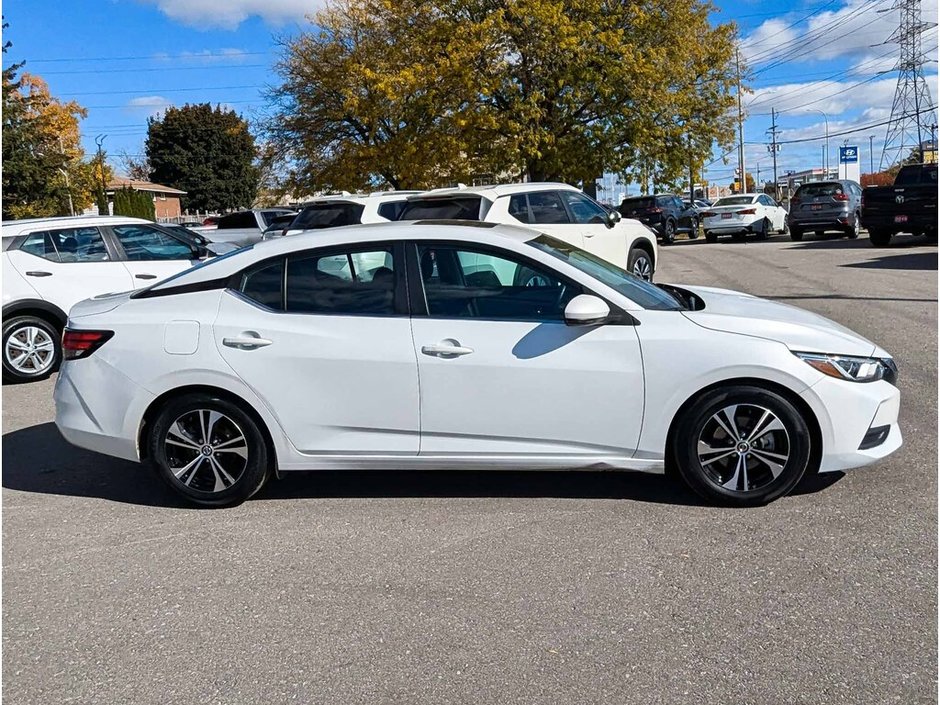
(755, 213)
(432, 345)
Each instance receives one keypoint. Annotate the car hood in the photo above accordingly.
(798, 329)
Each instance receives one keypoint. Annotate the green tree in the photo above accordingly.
(417, 93)
(207, 152)
(135, 204)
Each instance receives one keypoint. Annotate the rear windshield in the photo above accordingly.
(244, 219)
(328, 215)
(461, 208)
(916, 175)
(735, 201)
(823, 189)
(635, 204)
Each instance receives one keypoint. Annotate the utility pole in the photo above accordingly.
(774, 147)
(65, 173)
(741, 169)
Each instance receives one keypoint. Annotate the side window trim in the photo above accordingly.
(418, 298)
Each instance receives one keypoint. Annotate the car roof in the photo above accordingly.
(493, 191)
(471, 231)
(12, 228)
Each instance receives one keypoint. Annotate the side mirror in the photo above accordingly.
(586, 310)
(613, 217)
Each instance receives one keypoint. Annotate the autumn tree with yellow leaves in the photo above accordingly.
(43, 161)
(414, 93)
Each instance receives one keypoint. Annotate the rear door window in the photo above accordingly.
(546, 208)
(67, 245)
(458, 208)
(360, 282)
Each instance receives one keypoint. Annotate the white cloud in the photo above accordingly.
(848, 31)
(228, 14)
(149, 104)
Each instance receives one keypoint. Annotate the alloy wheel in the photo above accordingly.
(206, 450)
(643, 268)
(743, 447)
(30, 350)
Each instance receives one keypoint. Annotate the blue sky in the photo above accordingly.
(126, 59)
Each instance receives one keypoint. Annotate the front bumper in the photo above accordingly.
(847, 412)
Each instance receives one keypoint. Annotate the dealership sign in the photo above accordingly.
(848, 163)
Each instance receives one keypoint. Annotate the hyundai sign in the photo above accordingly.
(848, 163)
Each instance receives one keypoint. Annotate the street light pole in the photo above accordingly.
(826, 160)
(871, 153)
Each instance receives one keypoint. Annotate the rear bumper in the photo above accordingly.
(716, 226)
(842, 219)
(916, 222)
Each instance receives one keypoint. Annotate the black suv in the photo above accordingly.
(664, 213)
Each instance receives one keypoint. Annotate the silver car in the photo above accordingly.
(825, 206)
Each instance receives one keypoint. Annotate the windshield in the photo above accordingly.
(461, 208)
(647, 295)
(328, 215)
(734, 201)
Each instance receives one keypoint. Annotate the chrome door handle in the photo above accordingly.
(38, 274)
(247, 342)
(446, 349)
(145, 276)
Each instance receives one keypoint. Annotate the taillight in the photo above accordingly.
(709, 214)
(654, 210)
(794, 201)
(841, 196)
(747, 211)
(77, 344)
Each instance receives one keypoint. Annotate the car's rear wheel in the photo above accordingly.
(764, 230)
(710, 236)
(209, 450)
(640, 263)
(852, 231)
(742, 446)
(879, 238)
(31, 349)
(669, 232)
(796, 234)
(693, 232)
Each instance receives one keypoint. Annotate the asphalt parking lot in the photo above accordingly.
(496, 587)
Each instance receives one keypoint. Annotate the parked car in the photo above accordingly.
(824, 206)
(199, 239)
(456, 346)
(245, 227)
(557, 209)
(909, 206)
(664, 213)
(279, 226)
(745, 213)
(49, 264)
(347, 209)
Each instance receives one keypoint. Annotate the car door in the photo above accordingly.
(68, 265)
(323, 336)
(150, 254)
(500, 373)
(775, 214)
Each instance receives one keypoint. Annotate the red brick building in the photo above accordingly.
(166, 200)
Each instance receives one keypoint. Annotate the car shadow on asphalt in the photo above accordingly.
(835, 241)
(37, 459)
(921, 261)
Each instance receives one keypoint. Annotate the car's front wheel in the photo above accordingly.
(640, 263)
(742, 446)
(209, 450)
(31, 349)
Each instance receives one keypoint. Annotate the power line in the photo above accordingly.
(164, 69)
(149, 91)
(152, 57)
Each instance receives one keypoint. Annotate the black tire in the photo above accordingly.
(757, 484)
(879, 238)
(183, 414)
(669, 232)
(796, 234)
(710, 237)
(693, 233)
(852, 231)
(764, 231)
(43, 361)
(640, 263)
(786, 227)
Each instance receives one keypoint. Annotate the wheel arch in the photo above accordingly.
(642, 243)
(159, 402)
(38, 308)
(816, 447)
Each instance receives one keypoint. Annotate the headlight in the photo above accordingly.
(855, 369)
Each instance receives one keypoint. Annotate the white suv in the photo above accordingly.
(50, 264)
(346, 209)
(556, 209)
